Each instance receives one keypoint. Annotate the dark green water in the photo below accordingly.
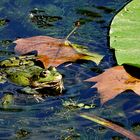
(28, 119)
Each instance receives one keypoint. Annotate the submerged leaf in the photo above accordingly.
(110, 125)
(41, 19)
(114, 81)
(88, 13)
(57, 51)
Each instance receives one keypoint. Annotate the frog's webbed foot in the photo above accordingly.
(38, 98)
(30, 91)
(3, 78)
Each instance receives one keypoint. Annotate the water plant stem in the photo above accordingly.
(110, 125)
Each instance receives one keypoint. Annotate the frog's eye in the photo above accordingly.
(44, 73)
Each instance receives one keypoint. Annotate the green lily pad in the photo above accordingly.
(125, 34)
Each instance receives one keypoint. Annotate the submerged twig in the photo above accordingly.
(110, 125)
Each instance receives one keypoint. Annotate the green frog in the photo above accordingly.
(24, 72)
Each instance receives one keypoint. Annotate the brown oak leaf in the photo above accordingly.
(114, 81)
(53, 51)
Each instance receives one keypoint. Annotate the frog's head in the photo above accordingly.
(48, 78)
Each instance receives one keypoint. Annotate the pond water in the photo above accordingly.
(51, 119)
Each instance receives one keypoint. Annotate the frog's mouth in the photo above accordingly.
(57, 85)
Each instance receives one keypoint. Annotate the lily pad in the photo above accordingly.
(125, 34)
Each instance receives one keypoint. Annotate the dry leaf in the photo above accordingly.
(56, 50)
(114, 81)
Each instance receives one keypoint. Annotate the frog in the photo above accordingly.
(24, 72)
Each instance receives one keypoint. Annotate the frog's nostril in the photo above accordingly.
(44, 72)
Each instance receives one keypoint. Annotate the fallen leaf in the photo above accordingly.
(57, 51)
(110, 125)
(48, 46)
(114, 81)
(44, 59)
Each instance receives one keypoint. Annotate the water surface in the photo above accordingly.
(28, 119)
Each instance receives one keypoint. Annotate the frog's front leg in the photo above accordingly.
(2, 78)
(38, 98)
(28, 90)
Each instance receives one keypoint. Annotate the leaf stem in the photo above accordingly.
(110, 125)
(75, 28)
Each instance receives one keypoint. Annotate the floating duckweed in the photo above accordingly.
(22, 133)
(6, 43)
(3, 22)
(87, 107)
(7, 99)
(74, 105)
(136, 127)
(71, 134)
(80, 105)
